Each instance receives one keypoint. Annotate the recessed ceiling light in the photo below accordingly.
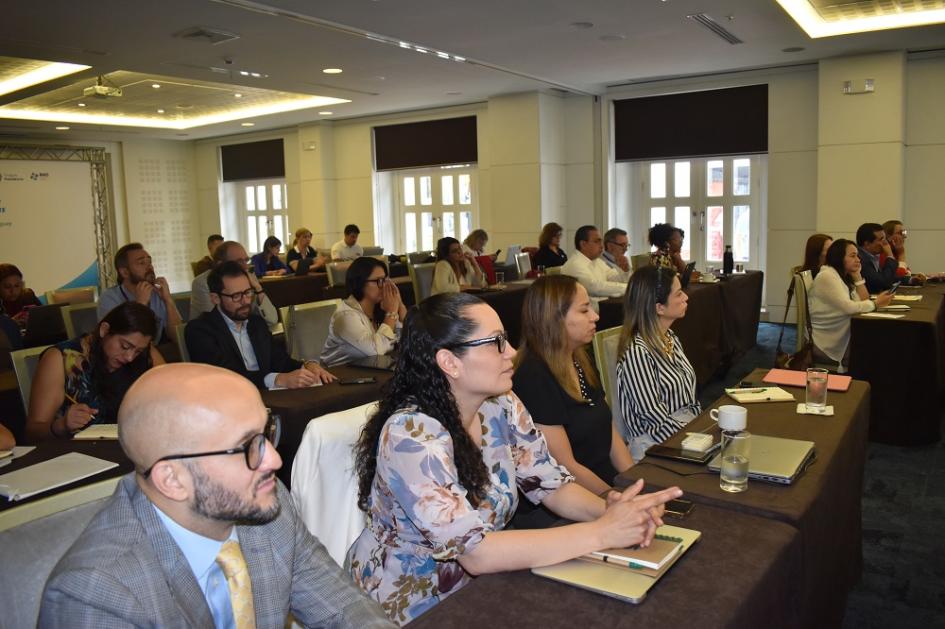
(792, 49)
(237, 95)
(823, 22)
(247, 124)
(458, 58)
(244, 73)
(46, 72)
(332, 70)
(156, 86)
(160, 111)
(325, 113)
(81, 104)
(62, 128)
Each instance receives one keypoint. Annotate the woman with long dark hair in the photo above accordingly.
(83, 380)
(550, 252)
(368, 321)
(441, 461)
(815, 254)
(656, 384)
(839, 292)
(15, 298)
(557, 382)
(455, 269)
(267, 262)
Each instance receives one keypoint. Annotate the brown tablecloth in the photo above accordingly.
(823, 503)
(295, 289)
(107, 449)
(721, 322)
(741, 573)
(297, 407)
(903, 361)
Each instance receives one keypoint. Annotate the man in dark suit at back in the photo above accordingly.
(870, 243)
(202, 533)
(232, 337)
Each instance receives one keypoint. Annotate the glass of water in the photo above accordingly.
(499, 278)
(816, 390)
(736, 448)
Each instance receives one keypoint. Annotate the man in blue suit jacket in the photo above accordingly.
(870, 243)
(199, 437)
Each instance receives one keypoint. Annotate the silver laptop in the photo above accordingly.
(513, 251)
(774, 459)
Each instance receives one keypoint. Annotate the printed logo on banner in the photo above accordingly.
(39, 176)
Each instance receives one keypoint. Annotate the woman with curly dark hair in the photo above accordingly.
(668, 241)
(441, 462)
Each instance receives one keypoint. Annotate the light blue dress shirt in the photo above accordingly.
(245, 345)
(201, 554)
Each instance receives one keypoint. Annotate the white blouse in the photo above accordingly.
(444, 279)
(351, 335)
(831, 304)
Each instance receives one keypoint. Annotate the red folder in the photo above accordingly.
(791, 378)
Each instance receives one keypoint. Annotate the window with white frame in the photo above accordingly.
(717, 201)
(432, 203)
(263, 211)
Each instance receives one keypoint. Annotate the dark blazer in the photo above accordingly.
(883, 279)
(209, 341)
(126, 570)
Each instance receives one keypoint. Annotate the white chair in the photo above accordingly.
(24, 365)
(337, 272)
(30, 552)
(324, 480)
(306, 327)
(523, 264)
(182, 301)
(421, 275)
(79, 319)
(177, 334)
(605, 355)
(75, 295)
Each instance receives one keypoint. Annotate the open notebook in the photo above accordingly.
(51, 474)
(627, 582)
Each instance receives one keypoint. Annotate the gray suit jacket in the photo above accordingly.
(125, 570)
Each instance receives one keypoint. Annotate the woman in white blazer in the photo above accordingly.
(838, 293)
(455, 270)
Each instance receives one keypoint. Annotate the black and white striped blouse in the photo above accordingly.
(653, 389)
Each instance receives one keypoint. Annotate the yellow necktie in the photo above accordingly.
(241, 590)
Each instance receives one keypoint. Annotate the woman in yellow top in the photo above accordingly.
(455, 270)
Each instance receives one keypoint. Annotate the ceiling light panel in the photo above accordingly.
(827, 18)
(187, 103)
(17, 74)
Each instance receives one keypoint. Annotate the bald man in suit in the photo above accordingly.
(158, 553)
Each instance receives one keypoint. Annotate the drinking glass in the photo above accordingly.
(816, 390)
(736, 448)
(499, 278)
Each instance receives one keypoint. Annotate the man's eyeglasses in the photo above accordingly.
(254, 450)
(236, 298)
(501, 340)
(379, 282)
(622, 245)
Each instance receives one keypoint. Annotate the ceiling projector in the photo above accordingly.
(101, 91)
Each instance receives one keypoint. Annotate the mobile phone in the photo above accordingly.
(497, 252)
(892, 289)
(367, 380)
(679, 508)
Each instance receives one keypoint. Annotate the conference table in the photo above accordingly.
(720, 325)
(823, 503)
(741, 573)
(904, 361)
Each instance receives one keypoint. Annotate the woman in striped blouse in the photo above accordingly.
(656, 384)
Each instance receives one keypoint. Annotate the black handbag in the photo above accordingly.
(803, 359)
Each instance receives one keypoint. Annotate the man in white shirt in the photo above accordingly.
(587, 266)
(231, 251)
(348, 248)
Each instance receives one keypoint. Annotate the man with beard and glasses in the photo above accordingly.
(233, 337)
(139, 283)
(202, 533)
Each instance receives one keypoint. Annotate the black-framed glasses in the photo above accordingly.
(501, 340)
(622, 245)
(254, 450)
(236, 298)
(379, 282)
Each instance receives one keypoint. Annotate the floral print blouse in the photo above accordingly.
(420, 520)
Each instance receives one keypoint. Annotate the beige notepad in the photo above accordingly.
(907, 297)
(759, 394)
(50, 474)
(98, 431)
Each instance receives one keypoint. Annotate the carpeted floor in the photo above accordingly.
(903, 581)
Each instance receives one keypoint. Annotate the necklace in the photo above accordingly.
(667, 341)
(582, 383)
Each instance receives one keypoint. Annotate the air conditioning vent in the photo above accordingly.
(715, 27)
(207, 35)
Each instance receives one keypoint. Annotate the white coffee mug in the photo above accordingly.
(730, 417)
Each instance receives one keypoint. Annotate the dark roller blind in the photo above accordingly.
(714, 122)
(428, 143)
(253, 160)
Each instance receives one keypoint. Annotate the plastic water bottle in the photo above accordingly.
(728, 261)
(735, 450)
